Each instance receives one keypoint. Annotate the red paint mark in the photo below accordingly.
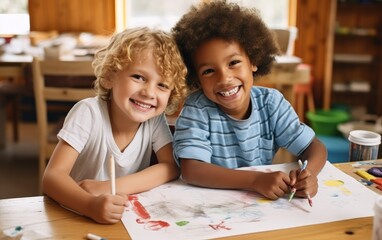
(219, 226)
(132, 197)
(156, 225)
(138, 208)
(144, 216)
(140, 220)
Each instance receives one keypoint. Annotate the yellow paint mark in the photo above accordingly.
(339, 184)
(345, 191)
(264, 200)
(333, 183)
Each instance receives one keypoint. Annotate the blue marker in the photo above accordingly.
(365, 182)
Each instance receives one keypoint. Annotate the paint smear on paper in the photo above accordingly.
(338, 184)
(182, 223)
(144, 217)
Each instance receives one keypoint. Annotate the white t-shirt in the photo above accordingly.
(87, 129)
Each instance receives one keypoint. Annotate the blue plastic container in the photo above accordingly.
(337, 146)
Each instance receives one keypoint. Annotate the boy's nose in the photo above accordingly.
(148, 90)
(226, 76)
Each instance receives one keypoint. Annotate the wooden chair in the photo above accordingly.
(303, 93)
(12, 87)
(65, 91)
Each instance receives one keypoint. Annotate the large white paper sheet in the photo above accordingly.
(179, 211)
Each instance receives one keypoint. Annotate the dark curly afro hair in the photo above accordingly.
(228, 21)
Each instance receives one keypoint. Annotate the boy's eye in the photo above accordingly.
(163, 85)
(207, 71)
(234, 62)
(138, 77)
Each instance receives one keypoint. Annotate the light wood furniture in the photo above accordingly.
(96, 17)
(350, 170)
(44, 93)
(44, 215)
(11, 65)
(12, 87)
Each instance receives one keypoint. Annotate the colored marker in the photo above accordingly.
(292, 192)
(112, 174)
(365, 175)
(92, 236)
(366, 182)
(310, 200)
(302, 167)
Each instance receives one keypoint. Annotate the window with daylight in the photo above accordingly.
(164, 14)
(14, 17)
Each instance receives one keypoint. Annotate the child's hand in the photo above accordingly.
(95, 187)
(304, 182)
(107, 208)
(272, 185)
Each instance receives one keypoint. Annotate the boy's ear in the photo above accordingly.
(254, 68)
(107, 83)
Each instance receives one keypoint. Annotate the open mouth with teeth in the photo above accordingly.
(230, 92)
(142, 105)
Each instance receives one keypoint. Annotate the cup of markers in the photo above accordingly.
(363, 145)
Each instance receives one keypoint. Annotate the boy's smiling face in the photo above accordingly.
(226, 75)
(139, 91)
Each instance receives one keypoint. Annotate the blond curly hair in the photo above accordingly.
(124, 48)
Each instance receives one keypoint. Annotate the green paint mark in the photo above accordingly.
(182, 223)
(18, 228)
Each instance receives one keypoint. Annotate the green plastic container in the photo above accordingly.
(325, 122)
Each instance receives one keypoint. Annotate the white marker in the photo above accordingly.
(112, 174)
(92, 236)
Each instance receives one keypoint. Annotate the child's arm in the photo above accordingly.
(165, 170)
(58, 184)
(271, 185)
(306, 181)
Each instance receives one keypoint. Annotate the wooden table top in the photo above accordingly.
(44, 215)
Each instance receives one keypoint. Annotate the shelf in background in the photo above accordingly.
(353, 58)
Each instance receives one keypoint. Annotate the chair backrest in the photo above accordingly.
(13, 86)
(14, 72)
(43, 70)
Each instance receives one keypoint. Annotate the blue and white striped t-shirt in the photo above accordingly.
(204, 132)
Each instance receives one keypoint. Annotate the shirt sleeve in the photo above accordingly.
(191, 138)
(290, 133)
(161, 132)
(77, 126)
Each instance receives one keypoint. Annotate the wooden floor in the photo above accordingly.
(19, 164)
